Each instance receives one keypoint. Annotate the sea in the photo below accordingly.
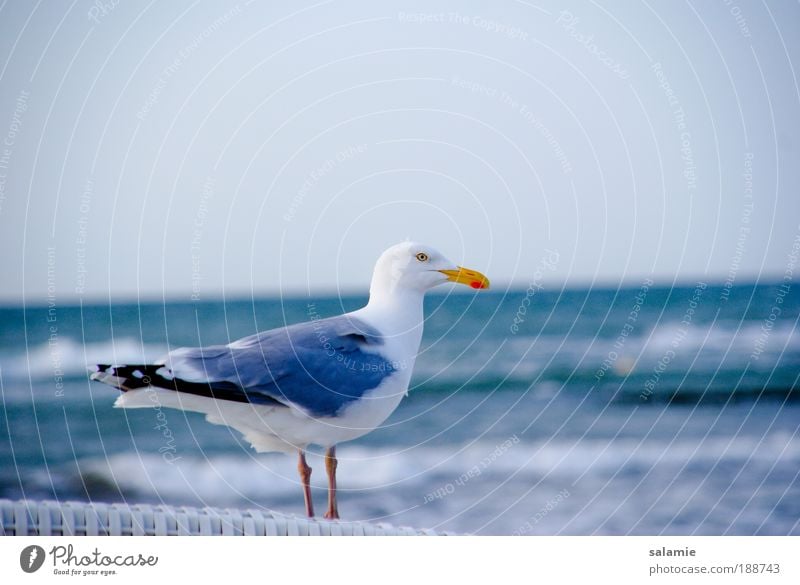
(646, 409)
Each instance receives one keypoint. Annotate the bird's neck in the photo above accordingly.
(399, 314)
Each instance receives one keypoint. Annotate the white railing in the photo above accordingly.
(47, 518)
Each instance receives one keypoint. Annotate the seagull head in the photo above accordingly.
(411, 266)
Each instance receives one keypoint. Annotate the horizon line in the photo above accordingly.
(239, 295)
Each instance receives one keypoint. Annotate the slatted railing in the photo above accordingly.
(46, 518)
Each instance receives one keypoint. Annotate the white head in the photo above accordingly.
(415, 267)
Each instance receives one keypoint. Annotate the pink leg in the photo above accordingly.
(305, 476)
(330, 467)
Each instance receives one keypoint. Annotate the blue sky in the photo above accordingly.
(181, 149)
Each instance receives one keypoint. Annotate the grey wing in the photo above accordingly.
(319, 366)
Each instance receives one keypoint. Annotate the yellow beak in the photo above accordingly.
(466, 276)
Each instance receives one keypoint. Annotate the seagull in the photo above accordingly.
(321, 382)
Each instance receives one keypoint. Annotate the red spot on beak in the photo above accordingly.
(475, 284)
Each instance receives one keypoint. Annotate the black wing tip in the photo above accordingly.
(123, 377)
(134, 377)
(97, 372)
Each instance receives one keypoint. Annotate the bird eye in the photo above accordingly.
(422, 257)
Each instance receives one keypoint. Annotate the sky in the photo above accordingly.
(186, 150)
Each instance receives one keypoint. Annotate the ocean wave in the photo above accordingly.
(68, 359)
(237, 478)
(695, 358)
(673, 351)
